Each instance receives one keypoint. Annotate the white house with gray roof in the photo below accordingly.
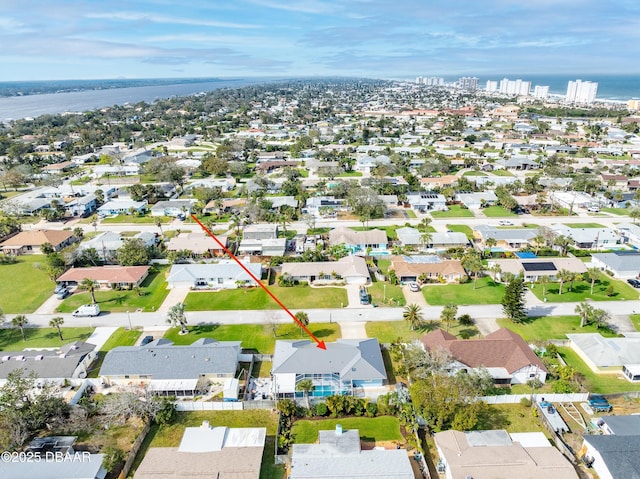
(172, 370)
(346, 366)
(226, 274)
(511, 238)
(352, 269)
(477, 200)
(623, 264)
(607, 355)
(589, 238)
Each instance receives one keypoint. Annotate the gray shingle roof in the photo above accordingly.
(621, 454)
(354, 359)
(162, 360)
(47, 364)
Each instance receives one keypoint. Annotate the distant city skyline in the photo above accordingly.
(83, 39)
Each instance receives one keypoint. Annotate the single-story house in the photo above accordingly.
(511, 238)
(172, 208)
(423, 202)
(67, 363)
(496, 453)
(352, 269)
(106, 244)
(122, 207)
(623, 264)
(320, 205)
(359, 241)
(226, 274)
(619, 425)
(260, 231)
(30, 242)
(199, 244)
(263, 247)
(278, 202)
(533, 268)
(432, 267)
(339, 454)
(106, 276)
(477, 200)
(608, 355)
(344, 367)
(208, 452)
(612, 456)
(446, 181)
(503, 353)
(170, 369)
(588, 238)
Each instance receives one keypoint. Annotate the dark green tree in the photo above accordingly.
(133, 253)
(513, 304)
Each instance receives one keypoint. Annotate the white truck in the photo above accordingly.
(87, 310)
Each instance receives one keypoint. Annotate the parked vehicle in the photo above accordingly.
(364, 296)
(146, 340)
(63, 293)
(599, 403)
(413, 286)
(87, 310)
(59, 288)
(634, 282)
(505, 223)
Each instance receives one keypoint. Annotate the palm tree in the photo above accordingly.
(425, 238)
(89, 285)
(57, 322)
(448, 314)
(413, 315)
(563, 275)
(585, 311)
(495, 270)
(177, 318)
(303, 319)
(563, 242)
(571, 278)
(544, 280)
(473, 264)
(490, 243)
(159, 225)
(20, 321)
(539, 240)
(306, 386)
(424, 223)
(594, 275)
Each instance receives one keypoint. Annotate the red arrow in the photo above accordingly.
(321, 344)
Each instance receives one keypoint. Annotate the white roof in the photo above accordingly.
(211, 439)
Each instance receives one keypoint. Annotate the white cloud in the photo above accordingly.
(150, 17)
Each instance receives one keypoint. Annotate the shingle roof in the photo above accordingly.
(348, 236)
(444, 268)
(38, 238)
(163, 360)
(621, 454)
(47, 364)
(354, 359)
(226, 269)
(111, 274)
(502, 348)
(349, 266)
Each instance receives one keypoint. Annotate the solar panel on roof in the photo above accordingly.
(539, 266)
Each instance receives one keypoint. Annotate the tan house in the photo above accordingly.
(440, 181)
(106, 276)
(30, 242)
(351, 269)
(410, 268)
(199, 244)
(533, 268)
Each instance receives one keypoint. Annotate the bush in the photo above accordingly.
(371, 409)
(466, 320)
(525, 402)
(321, 409)
(562, 386)
(610, 291)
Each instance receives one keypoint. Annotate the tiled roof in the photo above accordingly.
(38, 238)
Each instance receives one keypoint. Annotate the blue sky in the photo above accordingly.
(75, 39)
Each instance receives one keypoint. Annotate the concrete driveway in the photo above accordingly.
(414, 297)
(353, 296)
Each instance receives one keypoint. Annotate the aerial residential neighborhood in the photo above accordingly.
(336, 278)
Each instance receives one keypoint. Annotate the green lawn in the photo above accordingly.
(486, 292)
(497, 212)
(298, 297)
(384, 294)
(383, 265)
(512, 418)
(616, 211)
(597, 383)
(170, 436)
(584, 225)
(389, 331)
(136, 219)
(462, 229)
(383, 428)
(257, 337)
(502, 173)
(11, 339)
(350, 174)
(455, 211)
(121, 337)
(23, 285)
(635, 319)
(582, 291)
(154, 289)
(410, 213)
(474, 173)
(549, 327)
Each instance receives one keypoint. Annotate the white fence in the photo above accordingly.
(208, 406)
(516, 398)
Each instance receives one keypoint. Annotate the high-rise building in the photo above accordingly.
(541, 92)
(492, 86)
(430, 81)
(468, 83)
(581, 91)
(418, 80)
(515, 87)
(633, 105)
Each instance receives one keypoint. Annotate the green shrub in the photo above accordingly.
(321, 409)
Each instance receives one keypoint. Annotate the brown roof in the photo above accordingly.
(38, 238)
(445, 268)
(111, 274)
(500, 349)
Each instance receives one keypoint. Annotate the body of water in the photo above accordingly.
(31, 106)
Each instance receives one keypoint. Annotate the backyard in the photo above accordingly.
(152, 293)
(24, 285)
(171, 435)
(258, 337)
(296, 297)
(486, 292)
(455, 211)
(462, 229)
(377, 429)
(11, 339)
(581, 291)
(497, 212)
